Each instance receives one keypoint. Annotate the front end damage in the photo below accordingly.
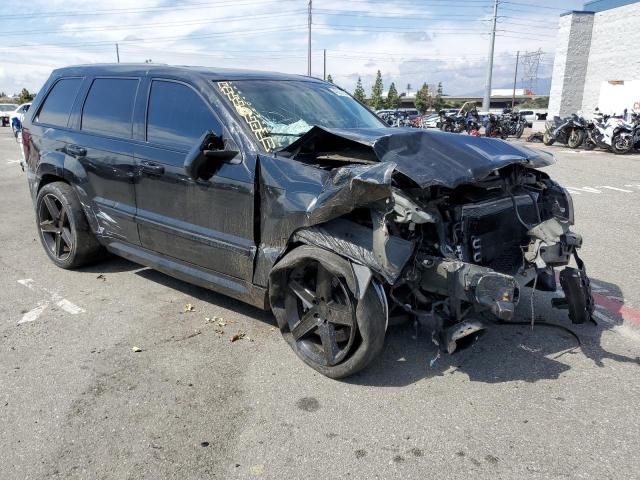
(452, 229)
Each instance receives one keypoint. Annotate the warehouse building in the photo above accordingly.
(597, 62)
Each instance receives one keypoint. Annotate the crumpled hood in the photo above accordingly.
(426, 157)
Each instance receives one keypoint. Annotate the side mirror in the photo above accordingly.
(206, 157)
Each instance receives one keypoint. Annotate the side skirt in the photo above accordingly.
(232, 287)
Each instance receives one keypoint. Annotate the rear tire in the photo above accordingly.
(621, 145)
(489, 131)
(63, 228)
(547, 140)
(575, 139)
(520, 131)
(312, 296)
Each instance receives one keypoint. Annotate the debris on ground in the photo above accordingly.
(101, 277)
(238, 336)
(136, 349)
(188, 307)
(218, 321)
(257, 470)
(535, 137)
(187, 337)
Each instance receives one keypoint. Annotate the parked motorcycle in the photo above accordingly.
(610, 133)
(570, 131)
(495, 128)
(635, 121)
(513, 123)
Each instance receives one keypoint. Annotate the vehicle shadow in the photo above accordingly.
(111, 264)
(503, 353)
(208, 296)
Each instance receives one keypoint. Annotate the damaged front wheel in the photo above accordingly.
(313, 295)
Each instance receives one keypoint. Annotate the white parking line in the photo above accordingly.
(34, 313)
(54, 297)
(598, 189)
(615, 188)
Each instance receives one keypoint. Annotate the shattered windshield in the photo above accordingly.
(279, 112)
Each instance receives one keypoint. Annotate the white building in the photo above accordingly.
(597, 62)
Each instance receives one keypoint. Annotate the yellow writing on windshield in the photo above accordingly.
(248, 114)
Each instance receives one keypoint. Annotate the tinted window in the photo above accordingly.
(59, 102)
(109, 106)
(177, 116)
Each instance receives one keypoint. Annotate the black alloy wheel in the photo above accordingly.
(55, 227)
(329, 324)
(63, 229)
(320, 314)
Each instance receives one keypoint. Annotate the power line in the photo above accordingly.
(161, 39)
(154, 25)
(528, 5)
(124, 11)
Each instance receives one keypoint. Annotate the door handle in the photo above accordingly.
(152, 168)
(75, 151)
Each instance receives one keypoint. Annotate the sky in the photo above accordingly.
(409, 41)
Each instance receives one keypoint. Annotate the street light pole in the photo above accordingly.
(515, 79)
(309, 52)
(486, 101)
(117, 53)
(324, 68)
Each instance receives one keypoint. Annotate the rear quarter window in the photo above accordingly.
(58, 104)
(108, 108)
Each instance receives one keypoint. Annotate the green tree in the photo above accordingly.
(329, 78)
(422, 98)
(439, 102)
(358, 93)
(393, 100)
(377, 102)
(25, 96)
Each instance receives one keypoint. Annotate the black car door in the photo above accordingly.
(207, 224)
(103, 146)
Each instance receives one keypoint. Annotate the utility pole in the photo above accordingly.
(117, 53)
(515, 79)
(309, 52)
(324, 68)
(486, 101)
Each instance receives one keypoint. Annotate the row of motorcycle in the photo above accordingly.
(510, 123)
(611, 133)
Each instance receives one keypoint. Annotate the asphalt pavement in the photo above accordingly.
(77, 402)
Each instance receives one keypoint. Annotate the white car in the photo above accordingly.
(19, 112)
(5, 111)
(430, 121)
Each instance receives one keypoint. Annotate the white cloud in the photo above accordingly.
(271, 35)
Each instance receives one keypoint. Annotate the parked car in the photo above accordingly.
(286, 193)
(19, 112)
(431, 121)
(5, 112)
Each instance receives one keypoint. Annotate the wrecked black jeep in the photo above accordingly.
(286, 193)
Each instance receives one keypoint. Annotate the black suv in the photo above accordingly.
(285, 192)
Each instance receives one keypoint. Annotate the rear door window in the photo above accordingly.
(58, 104)
(177, 116)
(108, 108)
